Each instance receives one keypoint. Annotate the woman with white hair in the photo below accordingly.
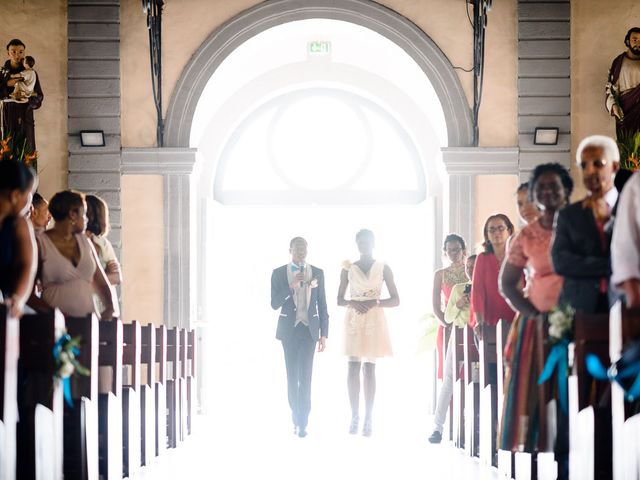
(580, 251)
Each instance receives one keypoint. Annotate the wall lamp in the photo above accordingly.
(92, 138)
(546, 136)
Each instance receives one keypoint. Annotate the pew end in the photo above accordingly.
(10, 342)
(81, 420)
(110, 402)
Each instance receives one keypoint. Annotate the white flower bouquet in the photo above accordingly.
(560, 322)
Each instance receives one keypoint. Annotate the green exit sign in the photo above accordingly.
(319, 48)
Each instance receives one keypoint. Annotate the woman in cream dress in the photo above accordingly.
(366, 334)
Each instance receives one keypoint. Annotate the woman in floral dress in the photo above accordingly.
(444, 280)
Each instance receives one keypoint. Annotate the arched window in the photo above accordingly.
(322, 122)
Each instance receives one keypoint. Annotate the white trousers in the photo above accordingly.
(446, 391)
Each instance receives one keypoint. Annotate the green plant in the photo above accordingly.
(629, 145)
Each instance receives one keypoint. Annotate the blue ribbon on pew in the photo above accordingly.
(66, 381)
(557, 360)
(599, 372)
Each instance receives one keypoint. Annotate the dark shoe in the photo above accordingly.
(436, 437)
(353, 428)
(366, 428)
(302, 432)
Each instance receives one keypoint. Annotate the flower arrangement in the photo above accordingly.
(560, 322)
(65, 351)
(10, 151)
(629, 145)
(427, 333)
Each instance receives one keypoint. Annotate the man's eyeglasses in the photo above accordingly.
(599, 163)
(498, 229)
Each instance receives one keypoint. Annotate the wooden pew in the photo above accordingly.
(624, 329)
(182, 370)
(9, 351)
(175, 388)
(590, 442)
(147, 394)
(457, 400)
(161, 390)
(110, 403)
(40, 427)
(131, 421)
(191, 374)
(471, 395)
(81, 420)
(488, 359)
(505, 458)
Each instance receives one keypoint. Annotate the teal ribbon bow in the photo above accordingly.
(599, 372)
(557, 361)
(66, 382)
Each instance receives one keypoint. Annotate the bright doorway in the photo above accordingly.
(304, 131)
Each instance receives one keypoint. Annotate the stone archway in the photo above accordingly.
(176, 161)
(366, 13)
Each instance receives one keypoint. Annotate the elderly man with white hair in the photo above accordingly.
(625, 245)
(580, 251)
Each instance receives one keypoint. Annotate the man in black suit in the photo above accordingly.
(580, 250)
(580, 253)
(297, 290)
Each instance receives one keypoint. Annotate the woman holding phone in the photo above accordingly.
(456, 314)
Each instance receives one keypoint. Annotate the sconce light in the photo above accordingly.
(546, 136)
(92, 138)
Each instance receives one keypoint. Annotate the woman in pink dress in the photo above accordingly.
(550, 187)
(443, 281)
(68, 267)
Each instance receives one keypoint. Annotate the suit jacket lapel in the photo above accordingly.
(286, 270)
(310, 275)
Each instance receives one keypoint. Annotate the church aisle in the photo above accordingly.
(265, 454)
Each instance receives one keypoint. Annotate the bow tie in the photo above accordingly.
(295, 268)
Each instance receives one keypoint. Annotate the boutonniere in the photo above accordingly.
(313, 283)
(346, 265)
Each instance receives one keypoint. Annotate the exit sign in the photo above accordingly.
(319, 48)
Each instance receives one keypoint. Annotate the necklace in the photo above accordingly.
(453, 275)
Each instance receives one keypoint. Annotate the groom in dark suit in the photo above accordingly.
(297, 290)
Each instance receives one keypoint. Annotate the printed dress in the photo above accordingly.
(366, 335)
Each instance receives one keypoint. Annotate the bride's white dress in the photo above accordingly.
(366, 335)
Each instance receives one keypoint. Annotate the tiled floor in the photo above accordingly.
(264, 454)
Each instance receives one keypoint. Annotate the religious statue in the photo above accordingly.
(20, 94)
(623, 87)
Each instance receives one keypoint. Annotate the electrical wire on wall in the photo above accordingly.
(480, 10)
(153, 10)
